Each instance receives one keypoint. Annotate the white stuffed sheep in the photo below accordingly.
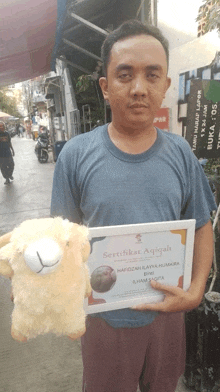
(46, 261)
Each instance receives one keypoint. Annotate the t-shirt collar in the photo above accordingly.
(130, 157)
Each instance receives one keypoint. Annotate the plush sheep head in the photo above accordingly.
(46, 261)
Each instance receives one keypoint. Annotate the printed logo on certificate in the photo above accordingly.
(124, 259)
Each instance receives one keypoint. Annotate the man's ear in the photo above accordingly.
(168, 83)
(103, 83)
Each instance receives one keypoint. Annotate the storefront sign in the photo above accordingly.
(162, 119)
(203, 118)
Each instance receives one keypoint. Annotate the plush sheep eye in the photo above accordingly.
(67, 244)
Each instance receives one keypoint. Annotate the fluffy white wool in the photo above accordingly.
(51, 302)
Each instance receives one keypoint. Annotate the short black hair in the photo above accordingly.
(127, 29)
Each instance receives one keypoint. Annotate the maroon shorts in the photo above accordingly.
(118, 360)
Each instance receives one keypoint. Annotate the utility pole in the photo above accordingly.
(154, 12)
(148, 11)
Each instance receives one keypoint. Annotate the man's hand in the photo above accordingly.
(176, 299)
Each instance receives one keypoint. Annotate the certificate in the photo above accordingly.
(124, 260)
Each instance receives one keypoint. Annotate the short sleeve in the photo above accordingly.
(199, 201)
(65, 201)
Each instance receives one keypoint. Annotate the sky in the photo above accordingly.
(179, 14)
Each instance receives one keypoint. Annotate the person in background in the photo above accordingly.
(43, 129)
(17, 130)
(6, 155)
(129, 172)
(28, 129)
(21, 130)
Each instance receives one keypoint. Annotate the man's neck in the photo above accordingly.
(130, 140)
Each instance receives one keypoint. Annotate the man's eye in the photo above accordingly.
(152, 76)
(124, 76)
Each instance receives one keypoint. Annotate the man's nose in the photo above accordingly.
(139, 87)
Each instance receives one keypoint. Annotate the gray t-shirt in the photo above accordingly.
(97, 184)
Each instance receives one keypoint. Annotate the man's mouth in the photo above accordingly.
(138, 105)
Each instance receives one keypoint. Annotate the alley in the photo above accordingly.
(29, 195)
(47, 363)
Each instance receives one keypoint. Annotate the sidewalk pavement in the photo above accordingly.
(28, 196)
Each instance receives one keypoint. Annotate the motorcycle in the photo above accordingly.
(42, 147)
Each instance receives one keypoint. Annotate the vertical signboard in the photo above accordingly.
(203, 118)
(207, 72)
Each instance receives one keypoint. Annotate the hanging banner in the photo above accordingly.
(203, 118)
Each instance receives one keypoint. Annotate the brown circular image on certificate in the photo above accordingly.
(103, 279)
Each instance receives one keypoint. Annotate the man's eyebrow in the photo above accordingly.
(152, 67)
(121, 67)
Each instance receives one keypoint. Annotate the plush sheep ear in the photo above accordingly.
(5, 239)
(5, 254)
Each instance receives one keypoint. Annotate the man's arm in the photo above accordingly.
(10, 144)
(11, 147)
(176, 299)
(65, 200)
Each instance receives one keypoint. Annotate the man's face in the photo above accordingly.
(2, 128)
(136, 80)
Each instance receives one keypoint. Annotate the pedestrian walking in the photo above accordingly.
(21, 130)
(129, 172)
(18, 130)
(28, 129)
(6, 155)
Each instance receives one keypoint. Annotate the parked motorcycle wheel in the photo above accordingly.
(43, 156)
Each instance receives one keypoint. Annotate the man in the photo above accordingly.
(6, 152)
(21, 130)
(128, 172)
(18, 130)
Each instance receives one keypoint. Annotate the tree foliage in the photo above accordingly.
(88, 92)
(27, 96)
(83, 83)
(211, 15)
(8, 104)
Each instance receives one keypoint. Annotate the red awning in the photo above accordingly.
(27, 35)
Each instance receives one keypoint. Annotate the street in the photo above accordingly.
(47, 363)
(29, 195)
